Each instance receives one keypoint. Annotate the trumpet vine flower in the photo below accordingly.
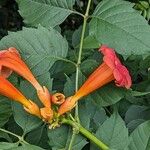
(10, 60)
(8, 90)
(110, 70)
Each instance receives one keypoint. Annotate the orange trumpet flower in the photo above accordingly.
(8, 90)
(10, 60)
(111, 69)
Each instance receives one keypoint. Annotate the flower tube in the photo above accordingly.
(111, 69)
(10, 60)
(8, 90)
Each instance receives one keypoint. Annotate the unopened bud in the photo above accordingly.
(58, 98)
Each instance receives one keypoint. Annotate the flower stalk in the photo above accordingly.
(86, 133)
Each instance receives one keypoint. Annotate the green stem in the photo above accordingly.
(80, 52)
(86, 133)
(71, 141)
(21, 140)
(78, 66)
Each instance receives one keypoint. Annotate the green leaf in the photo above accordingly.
(5, 136)
(118, 25)
(48, 13)
(90, 42)
(7, 146)
(88, 65)
(140, 137)
(40, 140)
(138, 112)
(114, 133)
(59, 138)
(102, 98)
(137, 93)
(96, 114)
(139, 115)
(132, 125)
(27, 147)
(26, 121)
(39, 47)
(76, 37)
(5, 111)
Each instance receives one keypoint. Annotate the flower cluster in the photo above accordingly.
(10, 60)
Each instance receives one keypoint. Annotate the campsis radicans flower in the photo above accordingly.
(111, 69)
(8, 90)
(10, 60)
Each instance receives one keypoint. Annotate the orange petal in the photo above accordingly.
(8, 90)
(11, 60)
(46, 113)
(101, 76)
(33, 109)
(44, 96)
(66, 106)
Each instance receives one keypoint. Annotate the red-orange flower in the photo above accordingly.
(8, 90)
(10, 60)
(111, 69)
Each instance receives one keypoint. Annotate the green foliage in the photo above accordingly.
(108, 95)
(5, 111)
(27, 147)
(114, 132)
(59, 139)
(116, 24)
(38, 46)
(140, 137)
(24, 120)
(6, 146)
(48, 13)
(49, 44)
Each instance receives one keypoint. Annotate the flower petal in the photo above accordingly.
(8, 90)
(120, 72)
